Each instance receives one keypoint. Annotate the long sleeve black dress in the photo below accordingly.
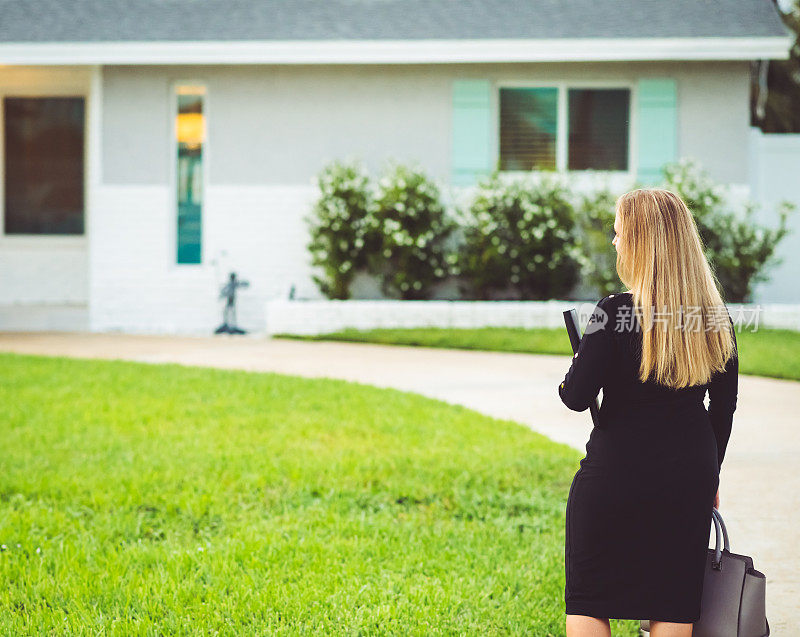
(638, 515)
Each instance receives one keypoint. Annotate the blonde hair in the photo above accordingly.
(660, 258)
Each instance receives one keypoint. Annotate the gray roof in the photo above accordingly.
(174, 20)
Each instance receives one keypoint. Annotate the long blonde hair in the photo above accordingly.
(660, 258)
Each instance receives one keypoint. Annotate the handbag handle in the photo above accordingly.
(719, 530)
(716, 512)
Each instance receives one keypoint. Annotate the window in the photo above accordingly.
(44, 166)
(190, 137)
(528, 128)
(564, 128)
(598, 129)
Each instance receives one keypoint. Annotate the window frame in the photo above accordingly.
(36, 239)
(172, 232)
(562, 123)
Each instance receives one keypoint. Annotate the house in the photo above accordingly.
(150, 147)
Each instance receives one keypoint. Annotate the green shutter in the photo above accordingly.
(472, 131)
(658, 127)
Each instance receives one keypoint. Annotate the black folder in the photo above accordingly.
(571, 321)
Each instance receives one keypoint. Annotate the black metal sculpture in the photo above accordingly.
(229, 312)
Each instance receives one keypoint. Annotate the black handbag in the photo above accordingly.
(734, 593)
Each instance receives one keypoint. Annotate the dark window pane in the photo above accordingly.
(598, 129)
(191, 131)
(43, 165)
(528, 128)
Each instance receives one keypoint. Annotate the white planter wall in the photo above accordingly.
(320, 317)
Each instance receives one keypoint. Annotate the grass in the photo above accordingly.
(162, 499)
(766, 352)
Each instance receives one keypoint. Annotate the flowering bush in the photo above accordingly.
(526, 238)
(595, 217)
(338, 225)
(409, 229)
(519, 240)
(740, 250)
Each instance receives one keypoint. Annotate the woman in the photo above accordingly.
(638, 515)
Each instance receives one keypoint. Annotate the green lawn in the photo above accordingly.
(766, 352)
(162, 499)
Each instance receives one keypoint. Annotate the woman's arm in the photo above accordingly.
(590, 363)
(722, 393)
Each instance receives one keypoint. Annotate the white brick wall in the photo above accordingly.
(43, 270)
(257, 231)
(136, 286)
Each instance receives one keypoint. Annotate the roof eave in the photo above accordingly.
(395, 51)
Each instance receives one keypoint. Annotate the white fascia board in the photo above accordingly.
(395, 51)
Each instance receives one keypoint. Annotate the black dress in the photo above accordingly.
(638, 515)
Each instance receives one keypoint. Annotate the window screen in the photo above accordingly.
(598, 129)
(528, 128)
(44, 167)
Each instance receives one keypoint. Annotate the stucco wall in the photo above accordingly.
(775, 166)
(271, 129)
(281, 124)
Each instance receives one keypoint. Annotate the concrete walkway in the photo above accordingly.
(760, 483)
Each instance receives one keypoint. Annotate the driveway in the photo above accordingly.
(760, 486)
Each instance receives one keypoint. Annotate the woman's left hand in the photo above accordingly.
(716, 500)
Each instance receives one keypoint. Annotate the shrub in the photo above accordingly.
(595, 223)
(740, 250)
(519, 240)
(338, 224)
(408, 232)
